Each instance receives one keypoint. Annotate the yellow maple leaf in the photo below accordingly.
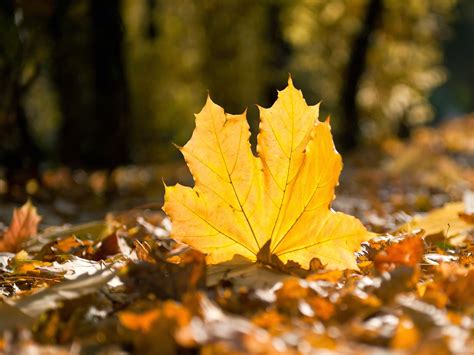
(279, 200)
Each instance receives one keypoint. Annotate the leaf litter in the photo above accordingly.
(124, 285)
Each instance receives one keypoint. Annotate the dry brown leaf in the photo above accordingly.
(24, 225)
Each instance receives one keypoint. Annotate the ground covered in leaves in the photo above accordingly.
(122, 285)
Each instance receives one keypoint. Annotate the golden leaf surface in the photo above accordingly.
(279, 199)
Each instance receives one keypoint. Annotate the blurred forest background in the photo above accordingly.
(96, 84)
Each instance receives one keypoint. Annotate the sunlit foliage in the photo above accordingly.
(239, 50)
(403, 65)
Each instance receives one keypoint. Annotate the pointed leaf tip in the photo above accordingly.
(290, 80)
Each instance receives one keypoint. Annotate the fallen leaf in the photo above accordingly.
(165, 279)
(445, 220)
(457, 283)
(154, 330)
(143, 252)
(52, 297)
(273, 205)
(24, 225)
(296, 297)
(243, 273)
(406, 335)
(97, 230)
(139, 321)
(407, 252)
(70, 245)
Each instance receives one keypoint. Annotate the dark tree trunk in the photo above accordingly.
(111, 96)
(90, 79)
(350, 132)
(19, 153)
(72, 76)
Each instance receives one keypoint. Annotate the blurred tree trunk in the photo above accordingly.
(73, 80)
(19, 153)
(90, 78)
(350, 130)
(111, 93)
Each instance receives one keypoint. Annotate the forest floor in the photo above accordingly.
(103, 275)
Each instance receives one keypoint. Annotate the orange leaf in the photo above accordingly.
(408, 252)
(24, 225)
(139, 321)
